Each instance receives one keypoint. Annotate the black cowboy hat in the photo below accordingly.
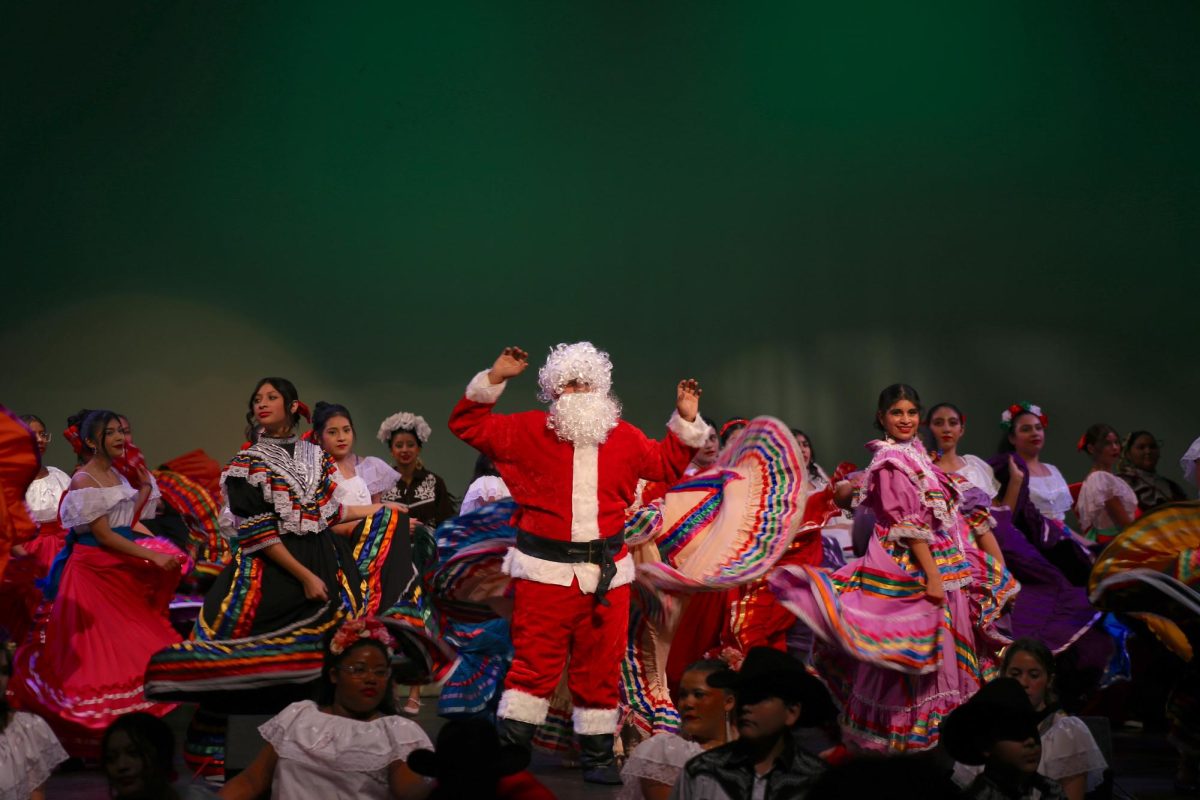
(469, 747)
(768, 672)
(1000, 711)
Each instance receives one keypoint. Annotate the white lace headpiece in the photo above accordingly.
(574, 362)
(404, 421)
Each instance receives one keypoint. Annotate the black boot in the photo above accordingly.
(599, 765)
(513, 731)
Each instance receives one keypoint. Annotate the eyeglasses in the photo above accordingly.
(42, 437)
(359, 670)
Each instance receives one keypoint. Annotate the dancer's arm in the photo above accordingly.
(405, 784)
(1117, 513)
(934, 589)
(987, 542)
(314, 587)
(255, 780)
(1015, 480)
(114, 541)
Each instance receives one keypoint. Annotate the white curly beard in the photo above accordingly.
(584, 418)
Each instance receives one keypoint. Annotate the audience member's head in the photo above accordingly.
(357, 677)
(1030, 663)
(469, 760)
(138, 752)
(998, 729)
(704, 711)
(773, 693)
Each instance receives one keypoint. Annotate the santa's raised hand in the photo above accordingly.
(511, 363)
(687, 399)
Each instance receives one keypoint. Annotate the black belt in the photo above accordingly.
(597, 551)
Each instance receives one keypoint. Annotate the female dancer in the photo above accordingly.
(360, 481)
(83, 665)
(896, 681)
(1106, 503)
(1139, 468)
(42, 499)
(1024, 427)
(655, 764)
(347, 744)
(422, 492)
(258, 638)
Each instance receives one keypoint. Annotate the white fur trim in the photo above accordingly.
(482, 390)
(523, 707)
(692, 434)
(590, 721)
(585, 490)
(554, 573)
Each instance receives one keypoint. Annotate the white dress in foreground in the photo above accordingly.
(29, 752)
(323, 756)
(660, 759)
(1098, 489)
(371, 477)
(42, 496)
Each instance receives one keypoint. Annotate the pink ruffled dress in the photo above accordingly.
(895, 662)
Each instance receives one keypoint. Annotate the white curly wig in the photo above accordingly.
(404, 421)
(574, 362)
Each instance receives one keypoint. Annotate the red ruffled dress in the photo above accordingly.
(83, 665)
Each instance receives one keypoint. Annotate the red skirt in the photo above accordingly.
(84, 664)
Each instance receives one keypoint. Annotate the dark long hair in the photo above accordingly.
(484, 466)
(894, 394)
(153, 739)
(813, 472)
(1094, 434)
(287, 390)
(1006, 445)
(323, 412)
(325, 688)
(28, 418)
(91, 424)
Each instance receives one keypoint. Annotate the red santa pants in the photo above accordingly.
(559, 626)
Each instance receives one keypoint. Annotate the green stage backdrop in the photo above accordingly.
(796, 203)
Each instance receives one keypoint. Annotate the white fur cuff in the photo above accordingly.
(523, 707)
(481, 390)
(693, 434)
(591, 721)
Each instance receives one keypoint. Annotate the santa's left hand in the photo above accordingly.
(687, 399)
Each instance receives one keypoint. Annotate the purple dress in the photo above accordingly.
(1050, 609)
(895, 662)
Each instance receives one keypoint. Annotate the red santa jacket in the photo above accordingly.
(565, 492)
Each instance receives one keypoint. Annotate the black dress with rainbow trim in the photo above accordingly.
(258, 641)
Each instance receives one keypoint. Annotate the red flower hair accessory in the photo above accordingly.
(303, 411)
(733, 423)
(356, 630)
(1081, 445)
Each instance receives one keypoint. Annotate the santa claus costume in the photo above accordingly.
(572, 471)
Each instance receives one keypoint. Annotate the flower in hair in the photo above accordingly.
(356, 630)
(404, 421)
(1016, 409)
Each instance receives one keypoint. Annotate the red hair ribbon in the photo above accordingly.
(303, 411)
(1081, 445)
(71, 434)
(308, 436)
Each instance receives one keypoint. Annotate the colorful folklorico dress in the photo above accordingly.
(258, 640)
(83, 664)
(895, 662)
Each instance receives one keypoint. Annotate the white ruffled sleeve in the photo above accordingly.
(981, 475)
(1188, 462)
(660, 759)
(302, 732)
(29, 752)
(1069, 749)
(1098, 489)
(378, 476)
(81, 506)
(150, 510)
(483, 490)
